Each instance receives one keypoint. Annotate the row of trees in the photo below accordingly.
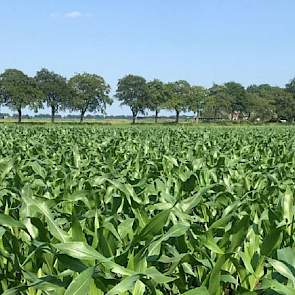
(228, 101)
(83, 92)
(90, 93)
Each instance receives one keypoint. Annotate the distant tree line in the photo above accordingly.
(90, 93)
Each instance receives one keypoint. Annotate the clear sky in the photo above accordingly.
(201, 41)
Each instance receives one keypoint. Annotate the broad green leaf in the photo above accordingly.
(282, 269)
(239, 230)
(212, 245)
(176, 230)
(215, 276)
(278, 287)
(271, 242)
(6, 220)
(154, 227)
(80, 285)
(221, 222)
(38, 169)
(53, 227)
(287, 255)
(126, 284)
(71, 263)
(76, 156)
(288, 206)
(83, 251)
(139, 288)
(158, 277)
(12, 291)
(77, 232)
(6, 166)
(197, 291)
(79, 196)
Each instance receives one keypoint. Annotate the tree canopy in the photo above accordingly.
(218, 103)
(178, 94)
(132, 91)
(197, 99)
(54, 88)
(19, 91)
(90, 93)
(156, 96)
(236, 96)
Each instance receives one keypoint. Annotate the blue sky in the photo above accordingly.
(201, 41)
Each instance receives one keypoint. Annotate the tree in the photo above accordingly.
(261, 103)
(90, 93)
(177, 97)
(284, 103)
(196, 100)
(18, 91)
(290, 100)
(156, 96)
(237, 97)
(132, 91)
(54, 88)
(290, 87)
(218, 102)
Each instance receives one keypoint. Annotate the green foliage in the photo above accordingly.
(291, 86)
(156, 96)
(110, 210)
(54, 88)
(218, 103)
(133, 91)
(18, 91)
(178, 96)
(237, 96)
(90, 93)
(197, 98)
(269, 102)
(284, 104)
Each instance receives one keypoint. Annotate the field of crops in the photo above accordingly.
(147, 210)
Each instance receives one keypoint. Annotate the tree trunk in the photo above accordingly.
(177, 116)
(195, 117)
(156, 116)
(133, 117)
(52, 114)
(82, 116)
(198, 116)
(19, 115)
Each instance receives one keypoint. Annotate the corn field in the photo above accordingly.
(147, 210)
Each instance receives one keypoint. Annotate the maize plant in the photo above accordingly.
(147, 210)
